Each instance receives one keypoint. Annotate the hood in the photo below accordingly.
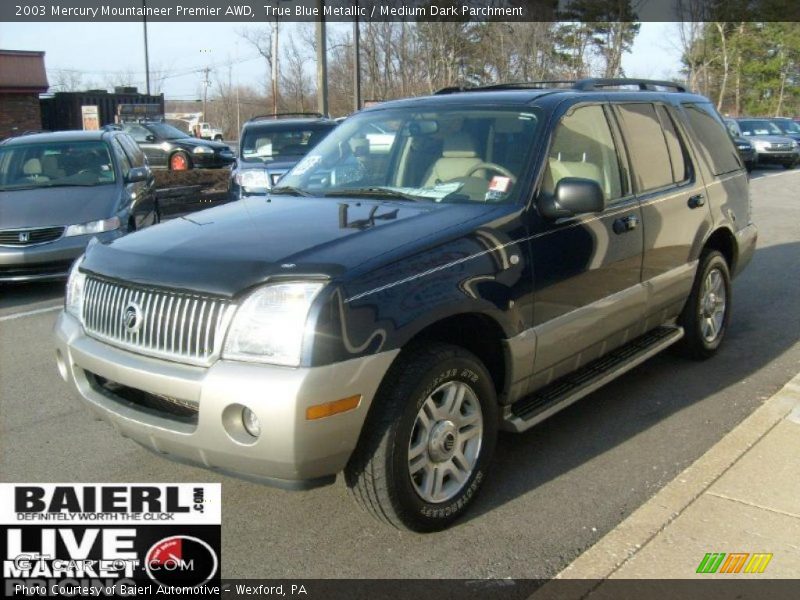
(228, 249)
(46, 207)
(772, 139)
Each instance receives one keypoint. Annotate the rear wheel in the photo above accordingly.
(707, 311)
(790, 165)
(428, 441)
(179, 162)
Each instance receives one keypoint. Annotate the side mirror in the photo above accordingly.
(572, 196)
(150, 138)
(138, 174)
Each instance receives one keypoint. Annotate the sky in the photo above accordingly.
(183, 49)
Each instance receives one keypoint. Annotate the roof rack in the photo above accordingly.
(287, 114)
(584, 85)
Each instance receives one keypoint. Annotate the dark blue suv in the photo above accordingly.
(436, 269)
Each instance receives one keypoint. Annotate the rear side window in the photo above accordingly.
(132, 149)
(677, 150)
(650, 159)
(715, 143)
(124, 163)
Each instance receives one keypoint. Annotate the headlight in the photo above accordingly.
(202, 150)
(93, 227)
(252, 178)
(73, 302)
(270, 324)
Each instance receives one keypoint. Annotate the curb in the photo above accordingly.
(635, 532)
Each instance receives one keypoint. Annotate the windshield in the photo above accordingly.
(55, 164)
(450, 154)
(282, 142)
(760, 127)
(788, 126)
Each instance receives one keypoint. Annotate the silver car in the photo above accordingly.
(771, 145)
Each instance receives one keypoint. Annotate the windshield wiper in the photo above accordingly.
(375, 192)
(289, 190)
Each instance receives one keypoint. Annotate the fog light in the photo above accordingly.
(250, 421)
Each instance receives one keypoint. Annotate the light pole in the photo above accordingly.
(146, 51)
(356, 62)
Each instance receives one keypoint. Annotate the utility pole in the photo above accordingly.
(275, 68)
(206, 83)
(146, 52)
(322, 62)
(356, 62)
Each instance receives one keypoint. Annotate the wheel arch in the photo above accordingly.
(723, 240)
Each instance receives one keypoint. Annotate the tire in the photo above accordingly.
(179, 162)
(218, 138)
(380, 475)
(704, 326)
(789, 165)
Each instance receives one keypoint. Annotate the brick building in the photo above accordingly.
(22, 79)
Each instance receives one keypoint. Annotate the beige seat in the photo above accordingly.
(458, 158)
(32, 167)
(50, 167)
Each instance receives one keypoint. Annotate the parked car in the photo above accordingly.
(788, 127)
(58, 191)
(207, 132)
(384, 314)
(771, 145)
(168, 147)
(747, 152)
(271, 145)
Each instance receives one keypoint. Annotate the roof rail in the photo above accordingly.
(650, 85)
(584, 85)
(287, 114)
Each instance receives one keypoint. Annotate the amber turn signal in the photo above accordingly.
(320, 411)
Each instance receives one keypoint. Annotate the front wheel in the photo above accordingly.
(179, 162)
(428, 440)
(707, 312)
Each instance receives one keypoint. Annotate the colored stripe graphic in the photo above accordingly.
(758, 562)
(711, 562)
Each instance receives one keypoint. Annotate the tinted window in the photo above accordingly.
(647, 147)
(677, 151)
(714, 141)
(583, 147)
(54, 164)
(286, 141)
(137, 132)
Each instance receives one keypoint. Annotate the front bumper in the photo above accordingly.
(772, 157)
(48, 261)
(213, 161)
(291, 452)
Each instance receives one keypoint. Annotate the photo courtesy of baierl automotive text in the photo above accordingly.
(399, 299)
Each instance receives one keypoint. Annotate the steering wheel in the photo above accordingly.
(492, 167)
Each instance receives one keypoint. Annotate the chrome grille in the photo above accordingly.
(28, 237)
(178, 326)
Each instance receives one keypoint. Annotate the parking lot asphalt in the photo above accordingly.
(555, 490)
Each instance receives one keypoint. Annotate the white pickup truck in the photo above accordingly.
(207, 132)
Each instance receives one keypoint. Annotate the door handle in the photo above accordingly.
(624, 224)
(697, 201)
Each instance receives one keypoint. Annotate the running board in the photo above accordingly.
(555, 396)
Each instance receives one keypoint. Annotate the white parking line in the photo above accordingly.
(770, 175)
(30, 313)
